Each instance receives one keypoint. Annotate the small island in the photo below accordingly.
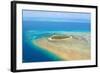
(59, 37)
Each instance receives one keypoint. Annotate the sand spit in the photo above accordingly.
(67, 47)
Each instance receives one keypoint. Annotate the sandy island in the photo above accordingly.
(65, 47)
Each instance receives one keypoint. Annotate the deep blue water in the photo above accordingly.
(56, 26)
(32, 28)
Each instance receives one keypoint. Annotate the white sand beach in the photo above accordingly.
(73, 47)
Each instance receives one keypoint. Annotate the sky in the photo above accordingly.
(30, 15)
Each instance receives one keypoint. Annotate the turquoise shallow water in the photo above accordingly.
(34, 53)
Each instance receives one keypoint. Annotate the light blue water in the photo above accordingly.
(37, 24)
